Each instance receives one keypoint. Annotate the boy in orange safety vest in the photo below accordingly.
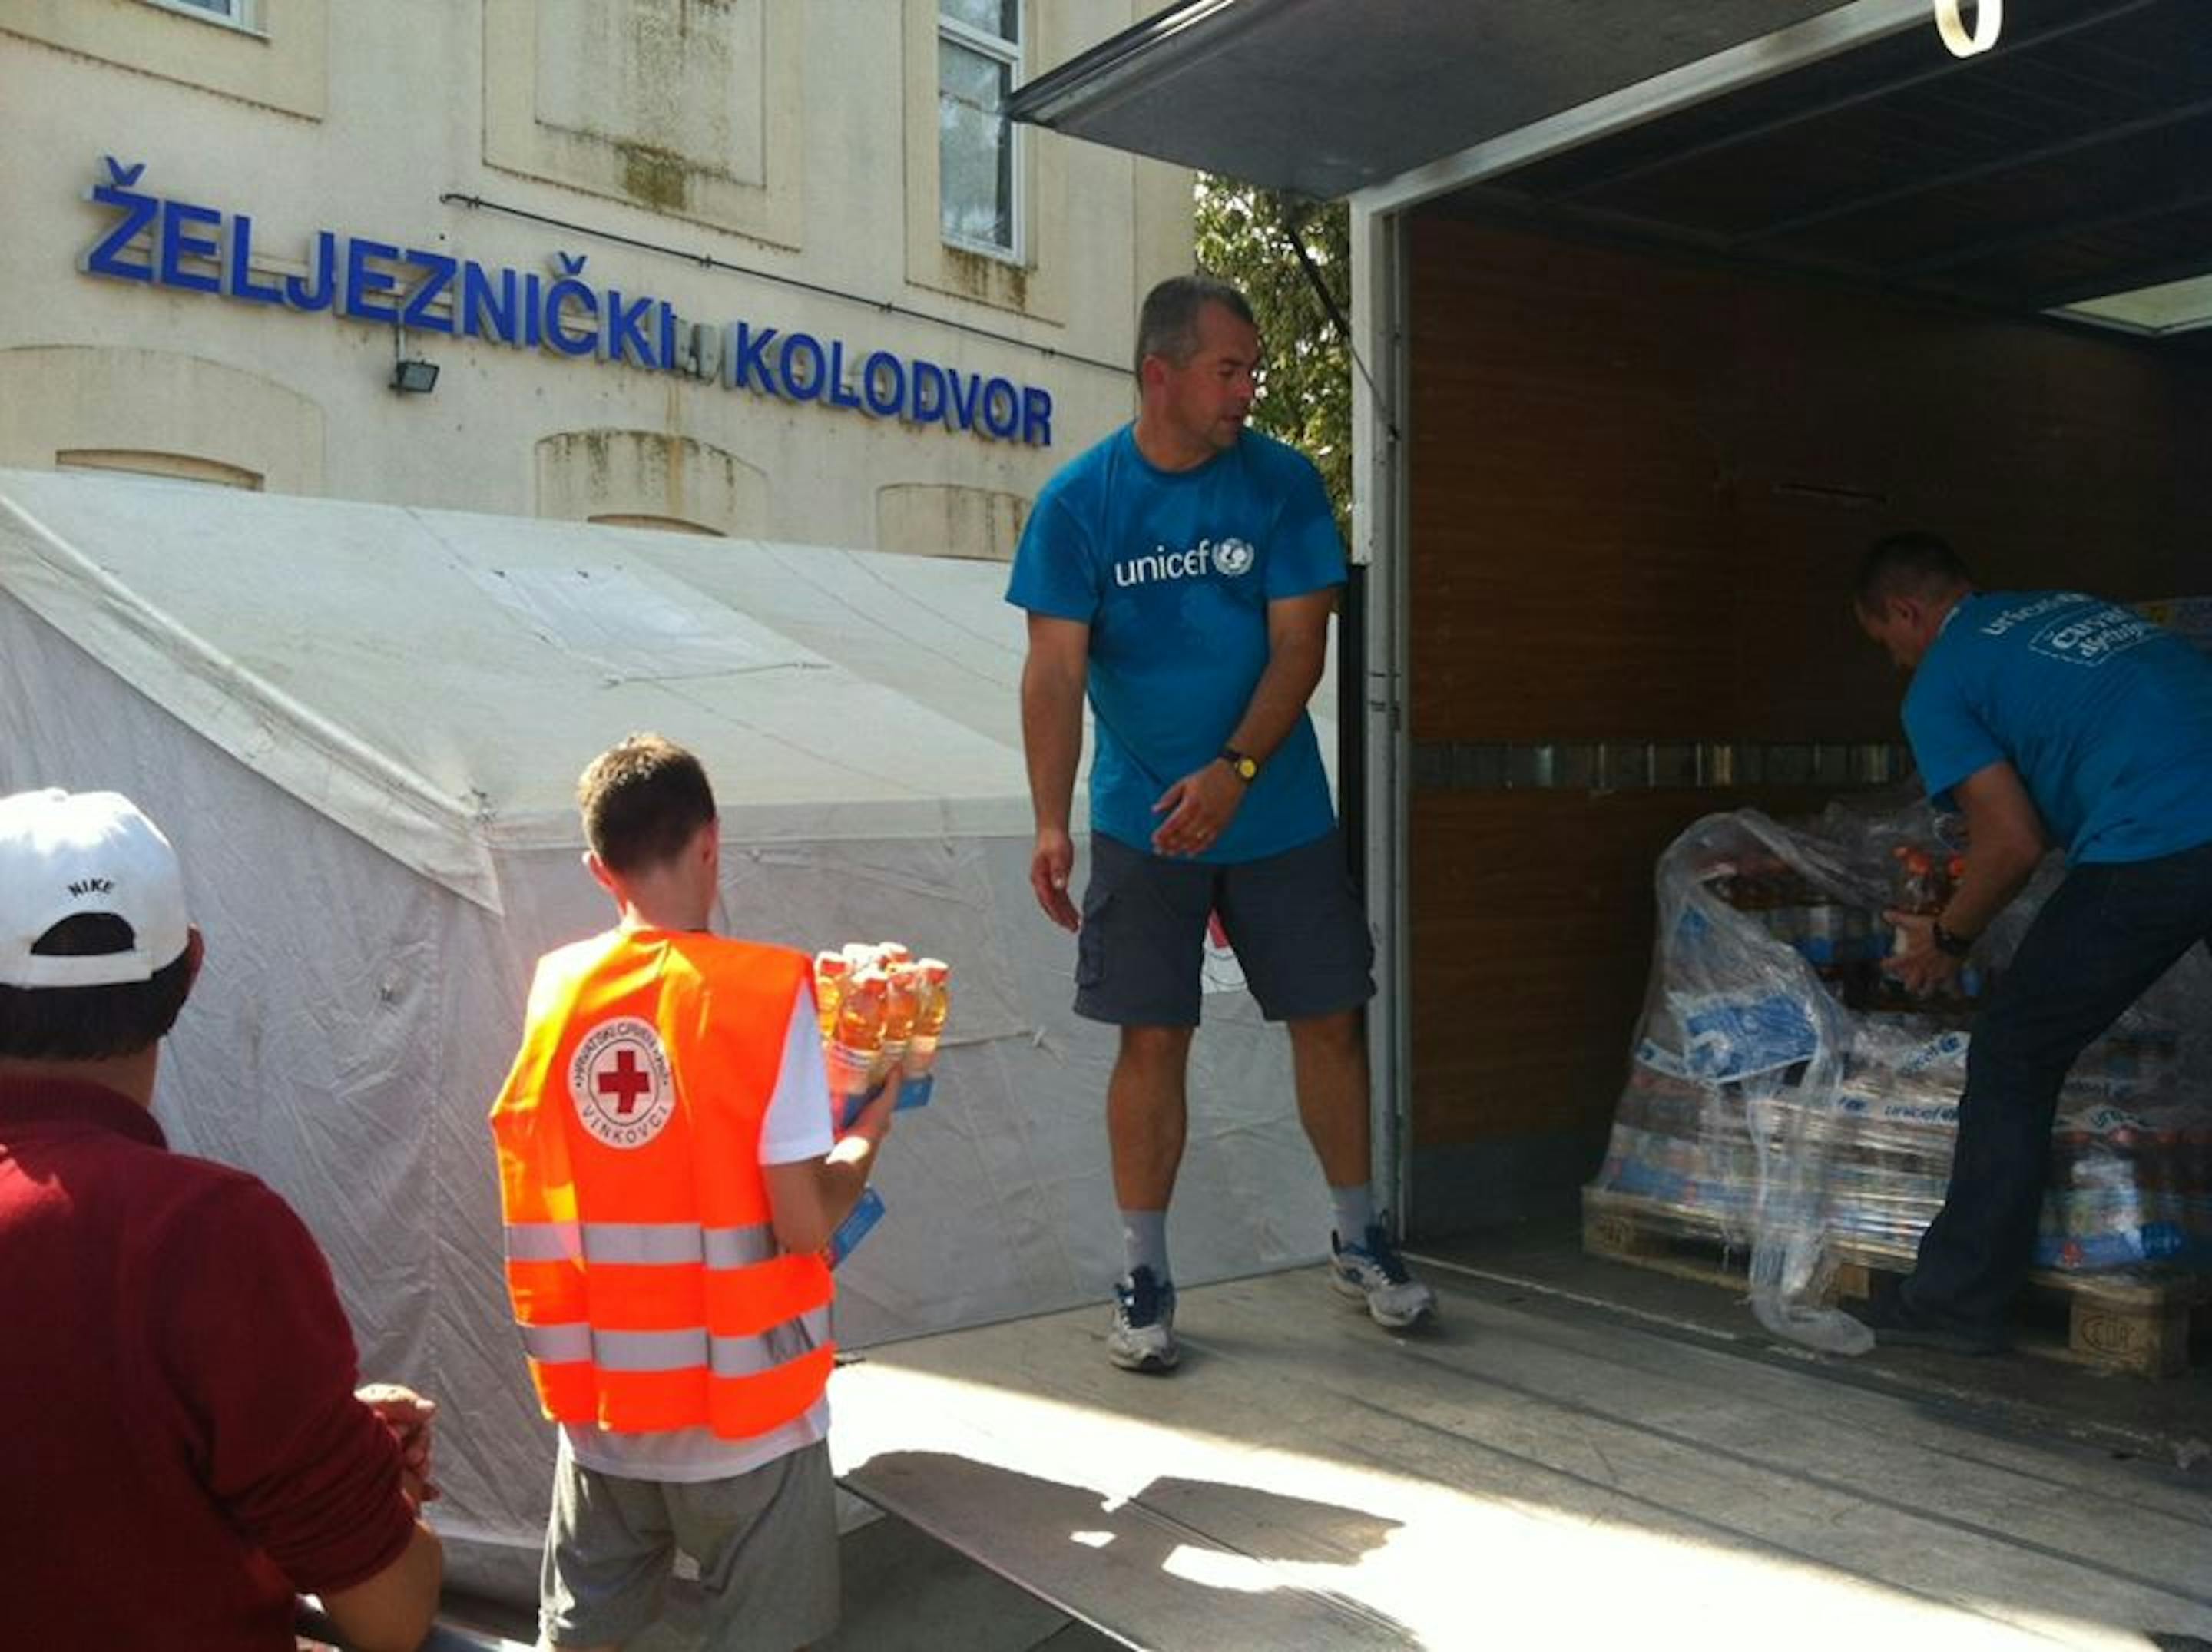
(669, 1177)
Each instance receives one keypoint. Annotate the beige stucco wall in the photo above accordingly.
(60, 399)
(588, 474)
(774, 137)
(284, 69)
(926, 519)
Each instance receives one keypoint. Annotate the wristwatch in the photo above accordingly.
(1950, 945)
(1247, 768)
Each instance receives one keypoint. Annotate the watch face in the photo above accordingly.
(1247, 767)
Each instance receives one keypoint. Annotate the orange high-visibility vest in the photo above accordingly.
(640, 1257)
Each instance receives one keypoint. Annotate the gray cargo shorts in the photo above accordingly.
(766, 1543)
(1293, 919)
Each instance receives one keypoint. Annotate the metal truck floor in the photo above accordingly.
(2167, 1421)
(1538, 1470)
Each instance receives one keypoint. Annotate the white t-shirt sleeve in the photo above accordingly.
(797, 1125)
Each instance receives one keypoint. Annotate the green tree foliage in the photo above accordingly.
(1249, 236)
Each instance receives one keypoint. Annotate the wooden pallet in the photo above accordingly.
(2136, 1325)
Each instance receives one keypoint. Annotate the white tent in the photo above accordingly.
(361, 726)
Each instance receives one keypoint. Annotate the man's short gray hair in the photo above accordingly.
(1168, 325)
(1910, 564)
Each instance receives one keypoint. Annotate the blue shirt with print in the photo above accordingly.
(1173, 571)
(2106, 717)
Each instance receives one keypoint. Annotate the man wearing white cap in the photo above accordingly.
(180, 1439)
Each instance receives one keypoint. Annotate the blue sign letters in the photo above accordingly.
(188, 247)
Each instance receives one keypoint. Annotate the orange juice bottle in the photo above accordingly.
(1917, 890)
(831, 972)
(901, 1001)
(858, 1044)
(936, 1002)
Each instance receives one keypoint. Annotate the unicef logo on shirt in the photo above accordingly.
(1227, 557)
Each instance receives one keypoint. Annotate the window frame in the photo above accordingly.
(1011, 52)
(242, 17)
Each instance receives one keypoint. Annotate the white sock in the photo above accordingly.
(1144, 1242)
(1355, 1212)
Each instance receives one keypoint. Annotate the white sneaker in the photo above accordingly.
(1372, 1273)
(1142, 1335)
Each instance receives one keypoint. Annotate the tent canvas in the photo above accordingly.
(361, 724)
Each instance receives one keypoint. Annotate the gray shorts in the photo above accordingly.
(1294, 919)
(766, 1544)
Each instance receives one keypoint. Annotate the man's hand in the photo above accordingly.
(408, 1415)
(1050, 868)
(873, 1122)
(1199, 808)
(808, 1198)
(1053, 677)
(1922, 966)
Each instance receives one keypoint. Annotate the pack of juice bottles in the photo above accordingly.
(878, 1005)
(1845, 942)
(1924, 881)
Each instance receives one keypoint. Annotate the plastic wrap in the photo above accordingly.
(1786, 1095)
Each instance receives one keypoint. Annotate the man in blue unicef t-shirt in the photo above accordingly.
(2051, 718)
(1183, 572)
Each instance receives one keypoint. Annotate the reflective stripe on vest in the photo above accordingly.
(639, 1243)
(543, 1242)
(678, 1350)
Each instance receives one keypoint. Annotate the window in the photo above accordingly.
(658, 524)
(169, 467)
(978, 59)
(239, 13)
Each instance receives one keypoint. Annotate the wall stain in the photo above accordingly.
(658, 177)
(991, 279)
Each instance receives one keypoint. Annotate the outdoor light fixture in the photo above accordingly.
(415, 378)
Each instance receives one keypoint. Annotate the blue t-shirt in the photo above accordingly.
(1173, 571)
(2106, 717)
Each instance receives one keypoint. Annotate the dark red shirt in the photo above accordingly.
(180, 1450)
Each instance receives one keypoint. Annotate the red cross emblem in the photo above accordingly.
(619, 1081)
(626, 1083)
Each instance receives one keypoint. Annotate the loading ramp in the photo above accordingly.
(1539, 1470)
